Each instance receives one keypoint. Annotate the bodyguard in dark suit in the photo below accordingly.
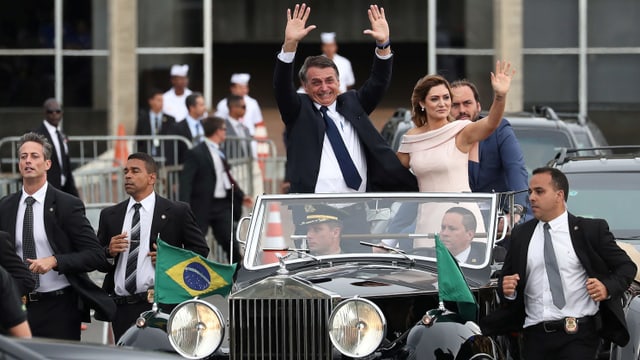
(131, 249)
(56, 240)
(314, 163)
(207, 184)
(153, 121)
(190, 127)
(562, 279)
(59, 174)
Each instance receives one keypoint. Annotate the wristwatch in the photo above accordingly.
(384, 45)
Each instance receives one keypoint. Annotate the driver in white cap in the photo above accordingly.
(240, 87)
(174, 100)
(330, 50)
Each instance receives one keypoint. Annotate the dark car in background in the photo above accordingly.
(541, 133)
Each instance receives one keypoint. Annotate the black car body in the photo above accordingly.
(286, 302)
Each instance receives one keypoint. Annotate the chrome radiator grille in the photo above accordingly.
(280, 329)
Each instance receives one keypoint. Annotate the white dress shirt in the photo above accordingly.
(59, 148)
(175, 105)
(52, 280)
(195, 126)
(538, 302)
(145, 271)
(223, 183)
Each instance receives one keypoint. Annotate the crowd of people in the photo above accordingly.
(332, 147)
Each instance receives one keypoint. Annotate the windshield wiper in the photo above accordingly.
(634, 237)
(390, 249)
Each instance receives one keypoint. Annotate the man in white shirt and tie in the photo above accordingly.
(190, 128)
(153, 121)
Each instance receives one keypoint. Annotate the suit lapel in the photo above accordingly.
(524, 248)
(10, 217)
(579, 242)
(50, 216)
(160, 219)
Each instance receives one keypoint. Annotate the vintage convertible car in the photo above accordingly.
(375, 297)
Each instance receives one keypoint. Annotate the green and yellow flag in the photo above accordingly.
(182, 275)
(451, 283)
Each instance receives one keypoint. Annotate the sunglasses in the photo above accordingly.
(57, 111)
(241, 106)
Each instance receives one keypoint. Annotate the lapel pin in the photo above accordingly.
(51, 209)
(575, 228)
(163, 216)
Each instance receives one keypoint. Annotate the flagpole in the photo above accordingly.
(233, 194)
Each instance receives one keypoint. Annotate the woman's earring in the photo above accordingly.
(422, 109)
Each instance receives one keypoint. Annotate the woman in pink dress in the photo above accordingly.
(438, 148)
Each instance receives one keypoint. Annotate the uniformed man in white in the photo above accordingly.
(240, 86)
(174, 100)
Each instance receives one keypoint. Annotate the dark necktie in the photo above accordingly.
(134, 249)
(347, 167)
(28, 242)
(198, 137)
(553, 271)
(62, 152)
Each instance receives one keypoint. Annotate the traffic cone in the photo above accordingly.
(121, 152)
(262, 147)
(274, 241)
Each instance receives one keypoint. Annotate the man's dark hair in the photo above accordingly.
(149, 163)
(465, 82)
(212, 124)
(319, 61)
(234, 100)
(153, 92)
(468, 219)
(558, 178)
(191, 99)
(37, 138)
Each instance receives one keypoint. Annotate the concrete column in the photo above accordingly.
(508, 39)
(123, 65)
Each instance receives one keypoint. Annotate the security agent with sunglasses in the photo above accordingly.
(59, 175)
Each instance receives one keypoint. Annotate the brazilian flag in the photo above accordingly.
(182, 275)
(451, 283)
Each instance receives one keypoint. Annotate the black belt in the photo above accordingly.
(130, 299)
(559, 325)
(39, 296)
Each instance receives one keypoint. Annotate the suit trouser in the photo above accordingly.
(220, 219)
(56, 316)
(540, 344)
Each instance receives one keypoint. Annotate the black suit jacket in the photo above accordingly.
(74, 245)
(305, 130)
(11, 262)
(143, 127)
(53, 174)
(172, 221)
(197, 183)
(598, 253)
(182, 129)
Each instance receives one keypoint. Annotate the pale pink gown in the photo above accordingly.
(439, 166)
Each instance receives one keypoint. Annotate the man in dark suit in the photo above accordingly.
(59, 175)
(457, 232)
(153, 121)
(207, 184)
(56, 240)
(240, 148)
(501, 165)
(190, 127)
(313, 163)
(562, 280)
(131, 249)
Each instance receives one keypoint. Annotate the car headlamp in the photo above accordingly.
(357, 327)
(195, 329)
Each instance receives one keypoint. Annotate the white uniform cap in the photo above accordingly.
(179, 70)
(240, 79)
(328, 37)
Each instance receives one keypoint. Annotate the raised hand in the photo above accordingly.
(296, 28)
(501, 79)
(379, 26)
